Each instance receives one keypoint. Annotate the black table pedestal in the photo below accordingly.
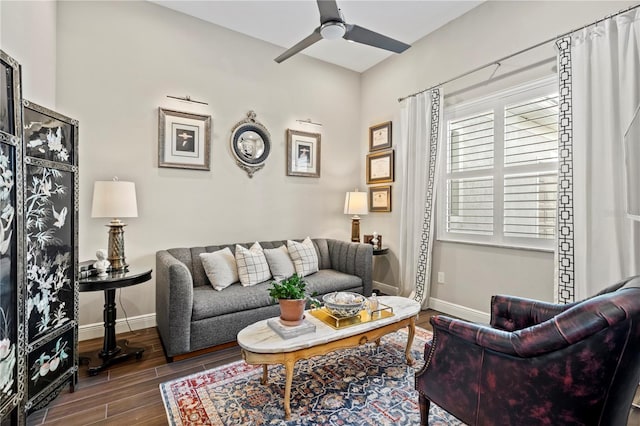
(113, 351)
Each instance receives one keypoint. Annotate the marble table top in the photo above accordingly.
(260, 338)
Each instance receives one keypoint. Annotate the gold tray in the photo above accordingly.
(323, 315)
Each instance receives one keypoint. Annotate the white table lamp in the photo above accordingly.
(115, 199)
(355, 203)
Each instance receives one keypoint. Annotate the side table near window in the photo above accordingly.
(113, 352)
(380, 251)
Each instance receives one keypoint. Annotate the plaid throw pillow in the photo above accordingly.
(304, 256)
(252, 265)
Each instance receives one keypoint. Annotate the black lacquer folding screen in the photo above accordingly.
(12, 359)
(50, 143)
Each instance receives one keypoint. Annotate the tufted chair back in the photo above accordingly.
(538, 363)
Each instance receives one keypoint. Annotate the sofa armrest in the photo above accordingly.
(353, 258)
(512, 313)
(174, 303)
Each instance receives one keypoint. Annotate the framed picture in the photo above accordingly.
(184, 140)
(380, 167)
(380, 136)
(303, 154)
(380, 198)
(368, 239)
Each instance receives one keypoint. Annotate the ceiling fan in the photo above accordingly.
(333, 26)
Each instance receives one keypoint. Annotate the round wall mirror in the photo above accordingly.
(250, 144)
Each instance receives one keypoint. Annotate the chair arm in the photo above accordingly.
(515, 313)
(174, 303)
(353, 258)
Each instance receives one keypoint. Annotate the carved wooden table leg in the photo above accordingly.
(412, 333)
(265, 374)
(289, 365)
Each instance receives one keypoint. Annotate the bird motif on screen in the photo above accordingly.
(60, 217)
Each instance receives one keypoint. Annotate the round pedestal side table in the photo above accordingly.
(113, 351)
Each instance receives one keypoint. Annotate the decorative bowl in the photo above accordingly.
(344, 304)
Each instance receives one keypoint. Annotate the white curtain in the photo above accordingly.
(605, 68)
(420, 128)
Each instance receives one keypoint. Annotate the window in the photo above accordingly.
(500, 179)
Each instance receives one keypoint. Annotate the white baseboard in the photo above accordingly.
(459, 311)
(91, 331)
(385, 288)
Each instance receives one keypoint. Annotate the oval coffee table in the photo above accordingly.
(262, 345)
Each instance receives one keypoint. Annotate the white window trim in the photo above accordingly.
(540, 87)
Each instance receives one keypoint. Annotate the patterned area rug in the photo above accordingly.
(368, 385)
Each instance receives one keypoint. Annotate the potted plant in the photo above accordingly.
(290, 294)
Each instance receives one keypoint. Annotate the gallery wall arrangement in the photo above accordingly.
(38, 250)
(380, 167)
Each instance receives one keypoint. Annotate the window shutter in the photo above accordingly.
(471, 143)
(470, 206)
(531, 132)
(530, 205)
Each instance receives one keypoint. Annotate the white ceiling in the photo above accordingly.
(284, 23)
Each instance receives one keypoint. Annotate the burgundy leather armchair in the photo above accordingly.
(538, 363)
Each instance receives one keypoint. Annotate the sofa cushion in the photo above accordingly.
(280, 263)
(304, 256)
(329, 280)
(252, 265)
(210, 303)
(220, 267)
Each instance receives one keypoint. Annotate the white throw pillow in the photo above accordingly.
(279, 262)
(304, 256)
(220, 267)
(252, 265)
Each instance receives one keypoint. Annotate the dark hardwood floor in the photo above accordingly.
(128, 393)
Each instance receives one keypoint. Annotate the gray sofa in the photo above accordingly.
(192, 316)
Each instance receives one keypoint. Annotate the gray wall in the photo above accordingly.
(111, 65)
(494, 29)
(117, 61)
(28, 34)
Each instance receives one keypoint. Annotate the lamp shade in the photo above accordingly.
(356, 203)
(114, 199)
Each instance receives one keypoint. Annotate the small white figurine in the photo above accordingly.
(102, 263)
(374, 240)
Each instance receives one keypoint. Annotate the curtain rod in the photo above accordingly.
(535, 46)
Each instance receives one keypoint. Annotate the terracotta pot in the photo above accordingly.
(292, 311)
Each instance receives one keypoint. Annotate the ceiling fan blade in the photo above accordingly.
(315, 36)
(362, 35)
(328, 11)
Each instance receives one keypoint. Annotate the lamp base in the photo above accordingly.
(115, 251)
(355, 229)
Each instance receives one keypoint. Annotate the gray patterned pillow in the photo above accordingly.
(304, 256)
(252, 265)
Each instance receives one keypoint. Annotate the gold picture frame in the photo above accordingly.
(380, 136)
(380, 198)
(380, 167)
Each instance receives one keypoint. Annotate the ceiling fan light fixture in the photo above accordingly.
(332, 30)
